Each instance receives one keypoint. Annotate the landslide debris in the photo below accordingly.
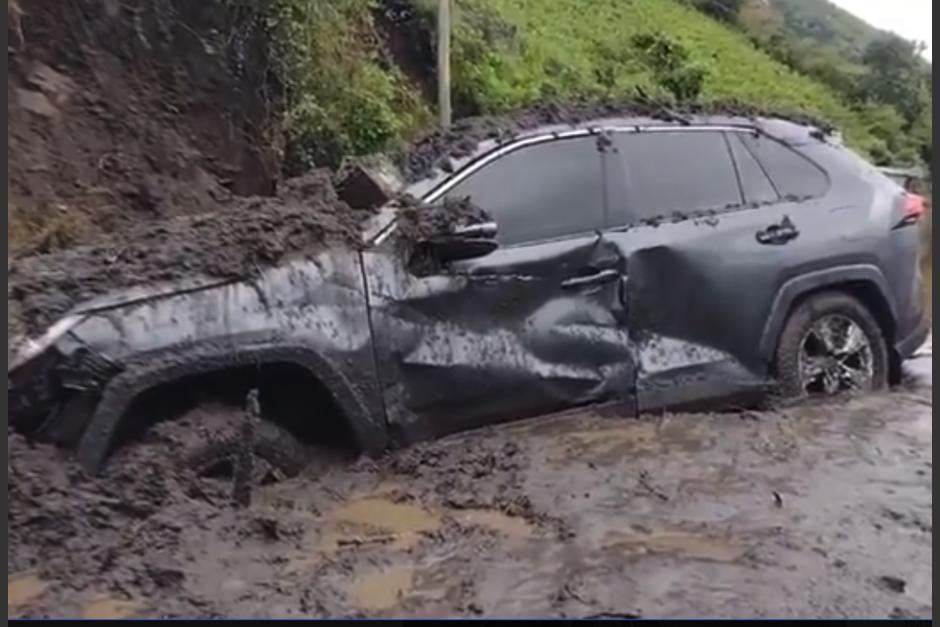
(232, 242)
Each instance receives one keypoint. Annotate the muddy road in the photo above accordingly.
(813, 511)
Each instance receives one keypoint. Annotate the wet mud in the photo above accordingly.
(806, 511)
(233, 243)
(418, 221)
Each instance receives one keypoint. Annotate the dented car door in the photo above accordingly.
(536, 325)
(707, 236)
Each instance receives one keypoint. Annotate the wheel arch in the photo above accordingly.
(155, 369)
(864, 282)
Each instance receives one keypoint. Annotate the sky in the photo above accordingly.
(909, 18)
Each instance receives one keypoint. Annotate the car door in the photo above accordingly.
(536, 325)
(708, 237)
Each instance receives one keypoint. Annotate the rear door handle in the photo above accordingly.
(603, 276)
(778, 233)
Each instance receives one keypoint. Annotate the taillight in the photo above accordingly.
(914, 208)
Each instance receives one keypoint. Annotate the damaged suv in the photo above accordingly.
(662, 263)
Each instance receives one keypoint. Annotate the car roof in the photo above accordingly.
(791, 132)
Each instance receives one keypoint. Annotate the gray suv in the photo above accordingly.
(660, 263)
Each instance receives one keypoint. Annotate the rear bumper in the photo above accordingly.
(913, 339)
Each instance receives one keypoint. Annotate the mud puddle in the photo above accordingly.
(379, 520)
(804, 512)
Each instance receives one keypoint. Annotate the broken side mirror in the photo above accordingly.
(468, 242)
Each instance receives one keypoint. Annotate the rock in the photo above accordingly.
(368, 182)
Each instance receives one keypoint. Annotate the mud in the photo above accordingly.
(436, 149)
(419, 222)
(123, 112)
(809, 511)
(236, 242)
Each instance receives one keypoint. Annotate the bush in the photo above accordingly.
(344, 97)
(670, 66)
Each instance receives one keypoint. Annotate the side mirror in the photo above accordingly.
(468, 242)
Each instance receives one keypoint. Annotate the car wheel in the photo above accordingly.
(213, 452)
(831, 344)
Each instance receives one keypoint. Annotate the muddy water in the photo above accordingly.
(22, 590)
(819, 511)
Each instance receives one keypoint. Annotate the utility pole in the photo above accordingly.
(443, 62)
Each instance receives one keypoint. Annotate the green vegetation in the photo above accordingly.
(880, 76)
(510, 53)
(344, 96)
(724, 10)
(347, 96)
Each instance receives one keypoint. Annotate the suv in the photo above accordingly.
(661, 263)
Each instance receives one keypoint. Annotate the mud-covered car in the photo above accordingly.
(660, 263)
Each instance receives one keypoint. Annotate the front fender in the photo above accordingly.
(148, 371)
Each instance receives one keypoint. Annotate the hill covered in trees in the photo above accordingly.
(881, 77)
(827, 24)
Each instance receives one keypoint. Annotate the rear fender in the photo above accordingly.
(799, 286)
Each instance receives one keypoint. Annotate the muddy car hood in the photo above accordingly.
(317, 268)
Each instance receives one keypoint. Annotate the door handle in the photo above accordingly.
(603, 276)
(778, 233)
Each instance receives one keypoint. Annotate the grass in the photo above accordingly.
(510, 53)
(348, 97)
(345, 97)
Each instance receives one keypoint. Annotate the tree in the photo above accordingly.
(896, 76)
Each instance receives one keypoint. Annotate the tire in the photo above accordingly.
(801, 333)
(216, 442)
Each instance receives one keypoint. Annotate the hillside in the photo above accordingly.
(829, 25)
(882, 77)
(511, 52)
(365, 69)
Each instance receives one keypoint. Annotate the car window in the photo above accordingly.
(793, 175)
(667, 172)
(539, 192)
(755, 183)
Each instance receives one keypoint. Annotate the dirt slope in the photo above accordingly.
(122, 112)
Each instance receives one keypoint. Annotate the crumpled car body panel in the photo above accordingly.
(484, 340)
